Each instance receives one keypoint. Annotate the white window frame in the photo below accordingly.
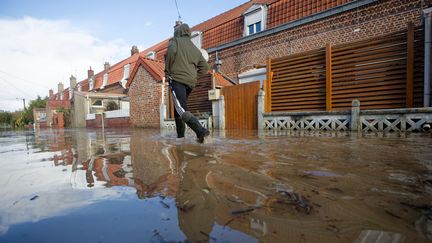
(79, 87)
(151, 55)
(196, 38)
(97, 106)
(256, 13)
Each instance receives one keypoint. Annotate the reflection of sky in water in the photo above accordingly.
(126, 220)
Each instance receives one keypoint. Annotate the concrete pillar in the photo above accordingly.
(355, 124)
(162, 106)
(162, 112)
(222, 113)
(261, 95)
(215, 113)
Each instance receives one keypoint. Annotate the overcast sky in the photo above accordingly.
(43, 42)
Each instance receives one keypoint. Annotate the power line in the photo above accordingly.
(13, 86)
(22, 79)
(178, 12)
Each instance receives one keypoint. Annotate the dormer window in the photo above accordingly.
(126, 70)
(105, 80)
(79, 87)
(151, 55)
(61, 96)
(255, 19)
(196, 38)
(91, 83)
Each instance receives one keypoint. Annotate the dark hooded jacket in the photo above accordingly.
(184, 62)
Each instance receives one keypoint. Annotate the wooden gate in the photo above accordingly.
(241, 106)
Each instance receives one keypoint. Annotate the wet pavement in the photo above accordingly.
(147, 186)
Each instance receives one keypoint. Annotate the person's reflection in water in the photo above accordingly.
(196, 204)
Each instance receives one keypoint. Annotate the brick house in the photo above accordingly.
(244, 37)
(145, 92)
(40, 117)
(55, 102)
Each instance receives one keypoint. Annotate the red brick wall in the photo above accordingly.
(145, 96)
(108, 122)
(96, 123)
(117, 122)
(374, 20)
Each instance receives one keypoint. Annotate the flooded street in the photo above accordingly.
(147, 186)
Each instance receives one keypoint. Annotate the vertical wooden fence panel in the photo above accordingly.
(328, 77)
(410, 66)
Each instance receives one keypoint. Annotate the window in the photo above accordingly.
(151, 55)
(196, 38)
(97, 103)
(79, 87)
(255, 19)
(126, 71)
(254, 28)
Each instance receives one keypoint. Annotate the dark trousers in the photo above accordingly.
(180, 94)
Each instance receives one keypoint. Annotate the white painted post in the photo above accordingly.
(162, 107)
(261, 95)
(355, 124)
(222, 113)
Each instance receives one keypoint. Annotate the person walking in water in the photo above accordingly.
(184, 64)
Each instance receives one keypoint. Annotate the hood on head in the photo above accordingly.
(182, 31)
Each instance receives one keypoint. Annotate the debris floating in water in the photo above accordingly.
(246, 210)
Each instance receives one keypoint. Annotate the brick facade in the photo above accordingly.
(145, 98)
(377, 19)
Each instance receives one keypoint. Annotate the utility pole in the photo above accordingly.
(23, 99)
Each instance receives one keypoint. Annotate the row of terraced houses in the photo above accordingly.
(266, 42)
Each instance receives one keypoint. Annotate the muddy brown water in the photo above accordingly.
(141, 185)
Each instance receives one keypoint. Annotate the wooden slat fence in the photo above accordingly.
(383, 73)
(298, 82)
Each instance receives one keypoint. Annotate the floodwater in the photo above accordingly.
(147, 186)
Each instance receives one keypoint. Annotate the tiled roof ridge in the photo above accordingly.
(219, 15)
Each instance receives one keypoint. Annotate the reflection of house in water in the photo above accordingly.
(124, 161)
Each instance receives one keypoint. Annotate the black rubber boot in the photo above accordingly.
(180, 127)
(199, 130)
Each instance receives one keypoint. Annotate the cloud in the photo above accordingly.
(148, 23)
(37, 54)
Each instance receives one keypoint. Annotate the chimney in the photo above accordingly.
(60, 87)
(72, 82)
(106, 66)
(51, 93)
(90, 73)
(134, 50)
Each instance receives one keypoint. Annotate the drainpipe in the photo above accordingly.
(427, 13)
